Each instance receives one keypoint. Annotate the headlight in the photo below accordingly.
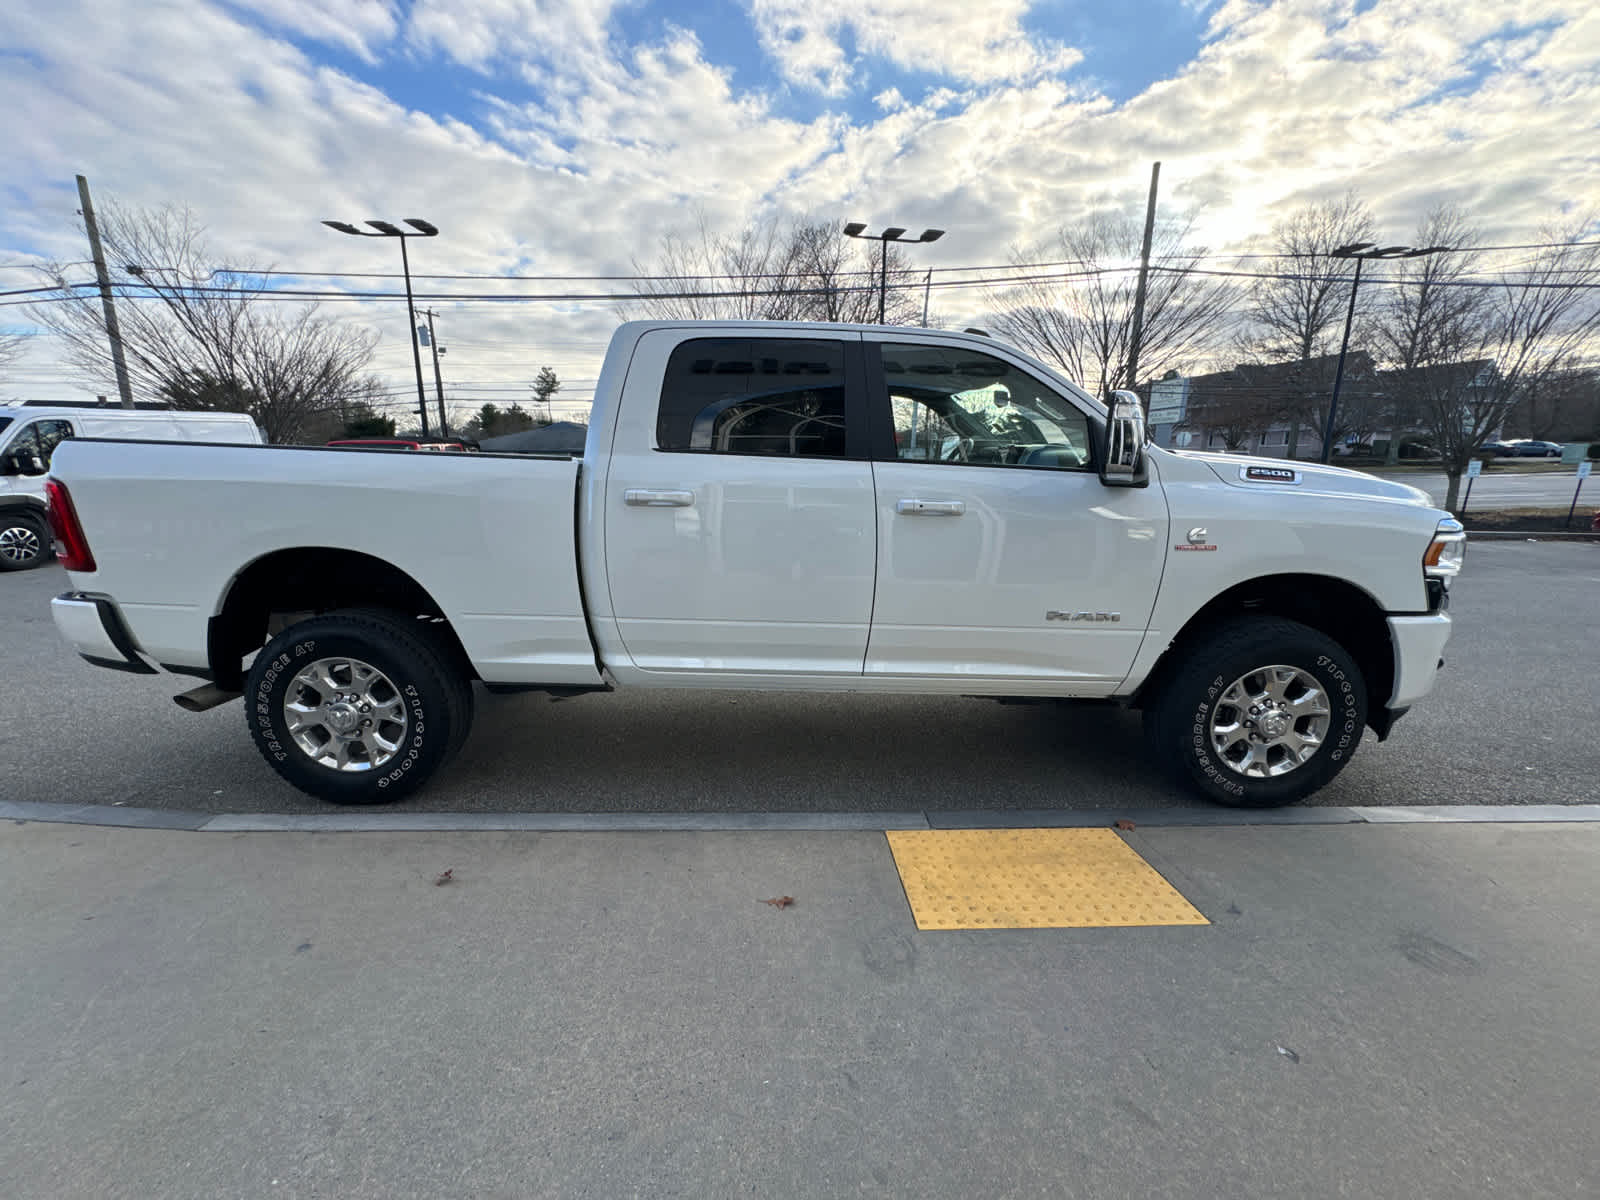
(1447, 551)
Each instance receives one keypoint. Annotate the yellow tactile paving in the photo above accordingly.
(1032, 879)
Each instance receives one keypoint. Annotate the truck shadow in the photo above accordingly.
(779, 752)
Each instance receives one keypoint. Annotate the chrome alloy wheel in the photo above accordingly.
(19, 544)
(1270, 721)
(345, 714)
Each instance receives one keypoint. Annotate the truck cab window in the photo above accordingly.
(955, 406)
(754, 396)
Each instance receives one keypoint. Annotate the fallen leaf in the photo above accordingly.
(1126, 825)
(448, 877)
(780, 901)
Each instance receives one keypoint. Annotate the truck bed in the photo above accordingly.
(489, 537)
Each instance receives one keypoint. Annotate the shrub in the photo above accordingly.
(1594, 449)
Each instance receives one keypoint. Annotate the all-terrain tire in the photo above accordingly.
(1279, 749)
(335, 671)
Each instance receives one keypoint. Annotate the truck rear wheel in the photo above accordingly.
(1262, 712)
(356, 707)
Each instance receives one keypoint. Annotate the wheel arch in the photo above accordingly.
(1347, 613)
(308, 580)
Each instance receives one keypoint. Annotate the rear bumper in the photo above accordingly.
(1418, 648)
(97, 631)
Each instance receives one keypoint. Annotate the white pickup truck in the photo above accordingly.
(773, 507)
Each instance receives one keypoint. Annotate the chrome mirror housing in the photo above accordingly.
(1123, 462)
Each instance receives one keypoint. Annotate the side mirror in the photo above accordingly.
(1122, 464)
(19, 462)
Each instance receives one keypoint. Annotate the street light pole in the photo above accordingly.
(388, 229)
(1360, 251)
(856, 229)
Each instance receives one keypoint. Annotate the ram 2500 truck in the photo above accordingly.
(773, 507)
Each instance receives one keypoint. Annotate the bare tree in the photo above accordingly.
(802, 271)
(1084, 322)
(1298, 313)
(1240, 414)
(1523, 334)
(1431, 303)
(11, 347)
(204, 338)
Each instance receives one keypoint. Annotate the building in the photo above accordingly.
(1275, 409)
(1280, 409)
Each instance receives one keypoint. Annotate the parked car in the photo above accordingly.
(745, 514)
(1418, 448)
(1533, 448)
(30, 433)
(1499, 449)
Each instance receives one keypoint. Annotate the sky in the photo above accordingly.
(567, 137)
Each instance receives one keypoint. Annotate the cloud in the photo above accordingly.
(973, 43)
(479, 33)
(583, 149)
(359, 26)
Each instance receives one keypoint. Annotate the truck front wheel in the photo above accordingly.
(1261, 712)
(355, 707)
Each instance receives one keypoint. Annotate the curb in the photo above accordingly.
(117, 816)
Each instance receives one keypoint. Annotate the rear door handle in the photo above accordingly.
(931, 508)
(657, 498)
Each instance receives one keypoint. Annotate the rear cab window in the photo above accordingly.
(757, 396)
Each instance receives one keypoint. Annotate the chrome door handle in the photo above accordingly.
(657, 498)
(931, 508)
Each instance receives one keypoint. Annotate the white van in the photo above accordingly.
(30, 432)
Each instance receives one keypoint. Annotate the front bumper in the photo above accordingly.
(1418, 648)
(97, 631)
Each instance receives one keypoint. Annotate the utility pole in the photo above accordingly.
(113, 330)
(438, 383)
(1144, 277)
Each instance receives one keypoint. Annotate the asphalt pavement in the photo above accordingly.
(1372, 1011)
(1505, 488)
(1511, 722)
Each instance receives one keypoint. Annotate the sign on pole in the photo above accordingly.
(1474, 469)
(1583, 473)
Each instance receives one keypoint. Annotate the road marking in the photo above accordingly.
(1032, 879)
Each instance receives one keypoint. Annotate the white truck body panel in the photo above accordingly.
(726, 562)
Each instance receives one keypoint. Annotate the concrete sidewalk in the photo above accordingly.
(1375, 1010)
